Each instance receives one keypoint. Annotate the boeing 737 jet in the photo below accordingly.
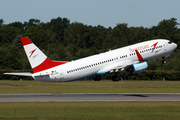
(132, 58)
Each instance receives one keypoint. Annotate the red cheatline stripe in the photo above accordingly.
(139, 56)
(25, 41)
(47, 64)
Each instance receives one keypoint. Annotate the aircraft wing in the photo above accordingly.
(122, 65)
(21, 74)
(118, 66)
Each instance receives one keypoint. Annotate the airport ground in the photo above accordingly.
(104, 86)
(90, 110)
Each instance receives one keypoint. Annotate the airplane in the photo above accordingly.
(132, 58)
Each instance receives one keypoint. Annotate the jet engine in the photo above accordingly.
(138, 67)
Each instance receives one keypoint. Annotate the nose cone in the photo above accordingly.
(174, 45)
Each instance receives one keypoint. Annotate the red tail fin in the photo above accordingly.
(38, 60)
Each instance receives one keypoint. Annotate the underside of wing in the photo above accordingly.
(116, 67)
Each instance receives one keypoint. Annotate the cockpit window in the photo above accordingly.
(169, 42)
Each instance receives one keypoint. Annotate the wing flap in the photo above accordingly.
(116, 67)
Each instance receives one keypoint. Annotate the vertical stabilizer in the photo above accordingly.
(38, 60)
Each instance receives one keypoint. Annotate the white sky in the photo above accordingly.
(108, 13)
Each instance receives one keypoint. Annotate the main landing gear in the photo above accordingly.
(115, 78)
(97, 78)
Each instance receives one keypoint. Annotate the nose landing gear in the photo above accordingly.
(163, 61)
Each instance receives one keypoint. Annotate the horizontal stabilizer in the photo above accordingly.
(21, 74)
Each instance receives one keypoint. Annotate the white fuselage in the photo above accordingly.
(102, 63)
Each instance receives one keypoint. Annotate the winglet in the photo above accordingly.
(139, 56)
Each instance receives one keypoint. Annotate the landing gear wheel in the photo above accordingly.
(115, 78)
(163, 61)
(97, 78)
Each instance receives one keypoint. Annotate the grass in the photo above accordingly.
(105, 86)
(91, 111)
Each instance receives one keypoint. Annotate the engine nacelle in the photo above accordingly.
(138, 67)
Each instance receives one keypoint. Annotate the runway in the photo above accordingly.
(142, 97)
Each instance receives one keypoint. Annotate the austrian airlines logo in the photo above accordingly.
(32, 52)
(143, 47)
(154, 46)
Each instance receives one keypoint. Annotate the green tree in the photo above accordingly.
(17, 43)
(31, 32)
(18, 25)
(76, 33)
(169, 28)
(162, 35)
(1, 22)
(139, 34)
(71, 50)
(58, 26)
(9, 58)
(46, 38)
(96, 36)
(48, 42)
(118, 38)
(32, 22)
(8, 33)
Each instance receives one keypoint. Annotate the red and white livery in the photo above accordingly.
(131, 58)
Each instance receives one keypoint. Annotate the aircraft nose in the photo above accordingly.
(175, 45)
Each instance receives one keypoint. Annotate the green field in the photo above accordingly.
(105, 86)
(90, 110)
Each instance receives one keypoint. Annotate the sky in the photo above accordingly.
(107, 13)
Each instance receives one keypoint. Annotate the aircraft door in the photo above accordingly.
(164, 46)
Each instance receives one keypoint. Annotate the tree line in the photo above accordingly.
(64, 41)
